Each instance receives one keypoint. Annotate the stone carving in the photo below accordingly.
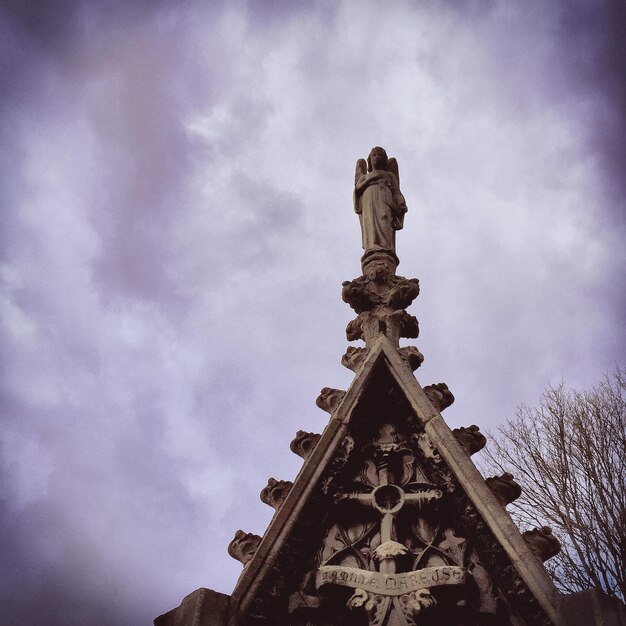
(378, 201)
(470, 438)
(275, 492)
(411, 356)
(380, 297)
(338, 461)
(357, 599)
(439, 395)
(542, 542)
(429, 451)
(329, 399)
(243, 546)
(304, 443)
(385, 534)
(504, 488)
(353, 358)
(370, 325)
(379, 286)
(301, 600)
(378, 606)
(413, 603)
(497, 565)
(399, 553)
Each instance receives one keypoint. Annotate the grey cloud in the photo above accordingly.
(587, 44)
(177, 185)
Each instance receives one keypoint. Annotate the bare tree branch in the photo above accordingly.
(569, 456)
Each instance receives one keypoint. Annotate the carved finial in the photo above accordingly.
(275, 492)
(370, 325)
(243, 546)
(304, 443)
(329, 399)
(439, 395)
(470, 438)
(542, 542)
(504, 488)
(379, 297)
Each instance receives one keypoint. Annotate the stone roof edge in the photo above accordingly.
(494, 514)
(471, 480)
(313, 467)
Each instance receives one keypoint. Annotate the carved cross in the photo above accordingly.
(389, 499)
(389, 597)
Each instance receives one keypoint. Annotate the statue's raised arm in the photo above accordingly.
(378, 201)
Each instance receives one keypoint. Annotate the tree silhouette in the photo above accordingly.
(569, 456)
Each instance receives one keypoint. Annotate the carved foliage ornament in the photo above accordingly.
(275, 492)
(391, 543)
(304, 443)
(470, 438)
(243, 546)
(439, 395)
(504, 488)
(329, 399)
(542, 542)
(380, 298)
(353, 358)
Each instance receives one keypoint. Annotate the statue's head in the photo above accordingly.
(377, 159)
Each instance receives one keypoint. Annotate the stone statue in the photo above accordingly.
(378, 201)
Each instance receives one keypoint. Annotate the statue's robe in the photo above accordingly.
(381, 208)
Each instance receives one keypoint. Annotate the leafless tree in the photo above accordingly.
(569, 456)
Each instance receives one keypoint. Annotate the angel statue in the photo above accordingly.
(378, 201)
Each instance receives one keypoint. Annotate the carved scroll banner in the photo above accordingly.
(390, 584)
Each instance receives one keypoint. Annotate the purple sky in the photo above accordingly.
(177, 215)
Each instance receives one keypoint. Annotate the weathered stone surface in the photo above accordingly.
(470, 438)
(393, 324)
(380, 299)
(389, 476)
(542, 542)
(378, 201)
(275, 492)
(379, 287)
(304, 443)
(504, 488)
(329, 399)
(440, 396)
(592, 608)
(526, 581)
(411, 356)
(395, 570)
(243, 546)
(203, 607)
(353, 358)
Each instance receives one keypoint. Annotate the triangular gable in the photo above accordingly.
(383, 360)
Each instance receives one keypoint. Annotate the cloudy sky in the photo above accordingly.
(177, 220)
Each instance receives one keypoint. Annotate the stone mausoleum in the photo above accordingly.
(389, 523)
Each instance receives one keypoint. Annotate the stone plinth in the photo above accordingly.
(203, 607)
(593, 608)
